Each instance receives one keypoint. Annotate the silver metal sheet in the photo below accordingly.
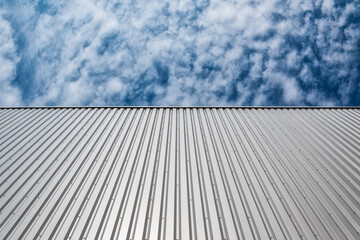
(179, 173)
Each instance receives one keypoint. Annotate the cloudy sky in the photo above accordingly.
(156, 52)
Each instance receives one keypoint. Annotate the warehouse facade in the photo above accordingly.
(179, 173)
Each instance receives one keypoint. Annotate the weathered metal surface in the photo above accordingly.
(179, 173)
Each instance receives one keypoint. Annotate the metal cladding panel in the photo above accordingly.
(179, 173)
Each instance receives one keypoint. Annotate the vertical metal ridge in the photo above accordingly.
(245, 210)
(6, 119)
(189, 180)
(312, 192)
(5, 114)
(177, 212)
(205, 209)
(8, 126)
(150, 200)
(253, 181)
(25, 159)
(348, 140)
(261, 151)
(322, 166)
(143, 173)
(288, 211)
(324, 144)
(107, 158)
(355, 114)
(165, 179)
(337, 139)
(179, 173)
(23, 131)
(295, 180)
(346, 122)
(263, 196)
(326, 204)
(117, 228)
(104, 217)
(318, 140)
(90, 186)
(22, 175)
(214, 186)
(223, 173)
(74, 178)
(150, 158)
(68, 183)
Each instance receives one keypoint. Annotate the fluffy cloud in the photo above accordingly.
(246, 52)
(9, 95)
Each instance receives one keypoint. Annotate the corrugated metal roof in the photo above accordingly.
(179, 173)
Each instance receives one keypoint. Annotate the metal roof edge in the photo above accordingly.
(176, 107)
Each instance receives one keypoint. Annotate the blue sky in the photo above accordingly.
(145, 52)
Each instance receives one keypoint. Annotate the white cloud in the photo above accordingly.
(158, 52)
(9, 94)
(292, 92)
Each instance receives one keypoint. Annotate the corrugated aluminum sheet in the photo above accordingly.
(179, 173)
